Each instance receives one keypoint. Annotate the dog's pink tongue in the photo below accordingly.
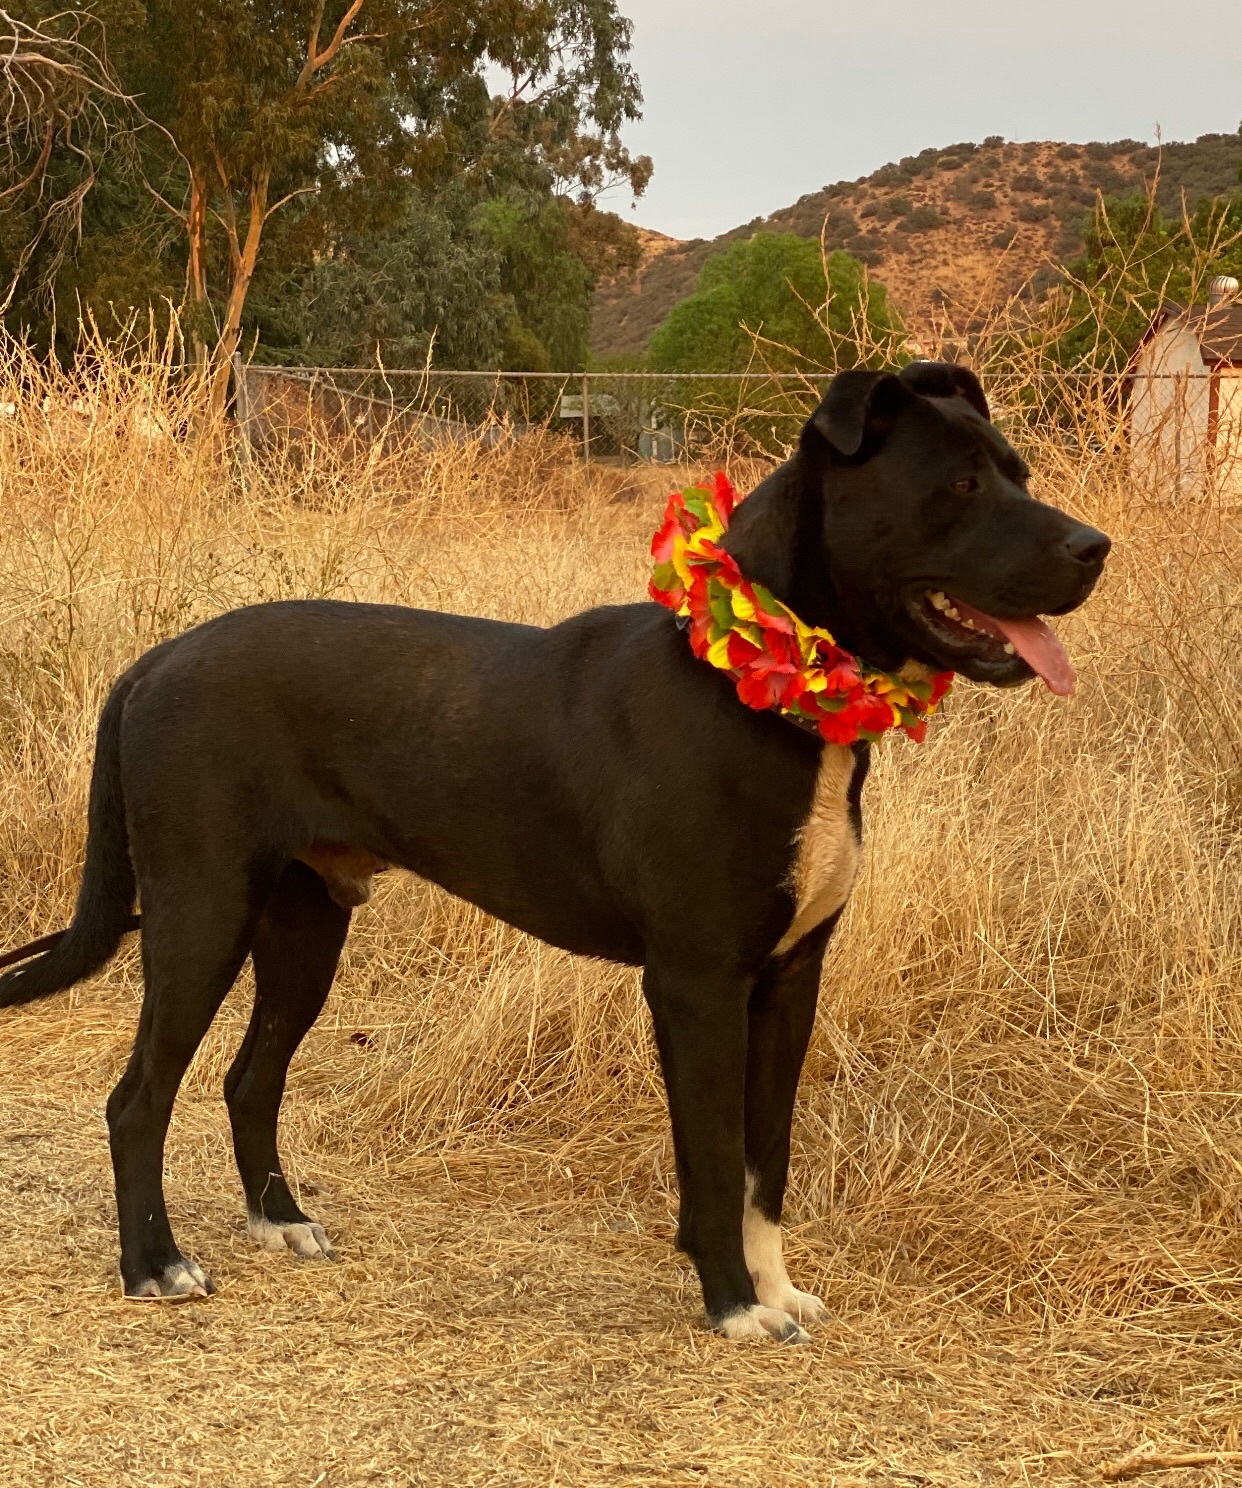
(1036, 643)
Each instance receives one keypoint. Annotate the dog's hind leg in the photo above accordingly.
(296, 946)
(781, 1016)
(194, 940)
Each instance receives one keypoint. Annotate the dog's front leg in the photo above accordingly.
(700, 1025)
(782, 1015)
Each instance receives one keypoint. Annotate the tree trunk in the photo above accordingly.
(196, 228)
(244, 255)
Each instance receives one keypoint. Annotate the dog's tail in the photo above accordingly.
(104, 911)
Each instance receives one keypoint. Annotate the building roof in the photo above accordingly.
(1217, 327)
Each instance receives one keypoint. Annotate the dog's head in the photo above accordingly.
(931, 546)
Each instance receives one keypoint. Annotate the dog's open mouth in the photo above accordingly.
(970, 632)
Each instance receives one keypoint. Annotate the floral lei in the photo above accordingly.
(775, 660)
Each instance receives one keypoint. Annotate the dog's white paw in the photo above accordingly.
(767, 1323)
(180, 1282)
(761, 1240)
(800, 1305)
(308, 1240)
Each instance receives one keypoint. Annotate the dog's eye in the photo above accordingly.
(967, 486)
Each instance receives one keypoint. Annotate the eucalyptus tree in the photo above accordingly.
(337, 110)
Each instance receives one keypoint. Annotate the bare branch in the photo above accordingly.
(54, 88)
(517, 94)
(40, 165)
(176, 212)
(15, 62)
(317, 60)
(288, 197)
(312, 40)
(324, 84)
(338, 39)
(228, 220)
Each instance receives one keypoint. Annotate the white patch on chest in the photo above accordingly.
(826, 852)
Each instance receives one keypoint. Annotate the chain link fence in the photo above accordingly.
(1181, 431)
(617, 417)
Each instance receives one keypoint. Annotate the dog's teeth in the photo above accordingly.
(1009, 649)
(951, 612)
(939, 602)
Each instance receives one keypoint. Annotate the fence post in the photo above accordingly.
(241, 409)
(586, 422)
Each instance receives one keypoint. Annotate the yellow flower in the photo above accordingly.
(680, 567)
(718, 652)
(742, 606)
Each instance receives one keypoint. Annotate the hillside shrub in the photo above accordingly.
(921, 219)
(840, 224)
(892, 175)
(867, 248)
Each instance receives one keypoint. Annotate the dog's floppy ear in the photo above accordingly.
(858, 406)
(945, 380)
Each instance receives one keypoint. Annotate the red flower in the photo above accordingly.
(726, 496)
(741, 651)
(838, 728)
(760, 687)
(872, 714)
(793, 687)
(698, 600)
(670, 598)
(669, 529)
(662, 542)
(729, 573)
(842, 676)
(783, 647)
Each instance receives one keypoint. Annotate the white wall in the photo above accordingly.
(1169, 405)
(1227, 457)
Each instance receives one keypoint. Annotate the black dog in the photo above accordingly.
(252, 774)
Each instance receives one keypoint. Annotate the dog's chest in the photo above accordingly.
(826, 848)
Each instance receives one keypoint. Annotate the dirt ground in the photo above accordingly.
(499, 1315)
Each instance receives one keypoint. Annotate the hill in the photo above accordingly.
(959, 228)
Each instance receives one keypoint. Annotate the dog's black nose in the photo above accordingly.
(1087, 545)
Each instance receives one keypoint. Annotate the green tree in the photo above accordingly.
(546, 285)
(318, 127)
(772, 286)
(490, 267)
(504, 282)
(1134, 259)
(427, 286)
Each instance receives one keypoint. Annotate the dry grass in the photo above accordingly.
(1018, 1167)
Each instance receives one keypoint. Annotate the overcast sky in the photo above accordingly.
(752, 103)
